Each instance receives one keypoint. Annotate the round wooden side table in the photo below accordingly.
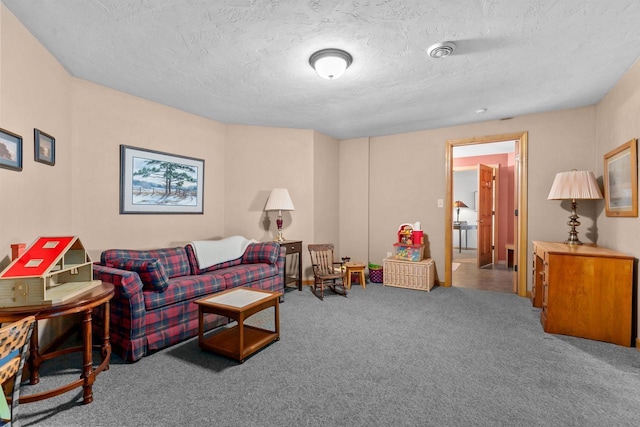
(83, 303)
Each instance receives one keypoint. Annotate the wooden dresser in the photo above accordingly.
(584, 291)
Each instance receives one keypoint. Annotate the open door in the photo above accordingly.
(485, 215)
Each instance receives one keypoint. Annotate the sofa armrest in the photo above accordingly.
(128, 312)
(262, 252)
(127, 283)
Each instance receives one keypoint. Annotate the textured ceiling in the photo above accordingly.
(246, 61)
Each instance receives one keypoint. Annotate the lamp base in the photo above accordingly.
(280, 237)
(573, 242)
(573, 223)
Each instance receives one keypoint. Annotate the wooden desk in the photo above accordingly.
(84, 303)
(584, 291)
(463, 226)
(293, 247)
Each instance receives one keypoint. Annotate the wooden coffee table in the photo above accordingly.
(239, 341)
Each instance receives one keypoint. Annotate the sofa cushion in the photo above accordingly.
(261, 252)
(183, 289)
(151, 271)
(246, 274)
(174, 260)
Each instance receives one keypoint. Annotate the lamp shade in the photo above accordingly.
(575, 185)
(459, 204)
(279, 200)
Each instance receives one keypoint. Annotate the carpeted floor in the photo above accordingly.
(381, 357)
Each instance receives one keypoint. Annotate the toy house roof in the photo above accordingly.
(43, 257)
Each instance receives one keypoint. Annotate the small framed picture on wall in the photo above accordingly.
(44, 147)
(10, 150)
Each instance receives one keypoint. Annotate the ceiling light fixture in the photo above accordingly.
(330, 63)
(441, 50)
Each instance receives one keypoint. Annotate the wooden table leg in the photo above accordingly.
(87, 358)
(105, 347)
(33, 362)
(277, 319)
(240, 321)
(363, 281)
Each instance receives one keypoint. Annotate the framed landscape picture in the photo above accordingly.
(44, 150)
(10, 150)
(153, 182)
(621, 180)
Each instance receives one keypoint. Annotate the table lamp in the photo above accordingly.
(279, 200)
(459, 204)
(572, 186)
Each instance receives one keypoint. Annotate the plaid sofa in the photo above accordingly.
(154, 292)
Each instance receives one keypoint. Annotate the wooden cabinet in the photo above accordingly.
(584, 291)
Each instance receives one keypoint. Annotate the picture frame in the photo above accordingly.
(145, 175)
(621, 180)
(10, 150)
(44, 147)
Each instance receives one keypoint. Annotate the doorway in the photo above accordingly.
(486, 192)
(519, 275)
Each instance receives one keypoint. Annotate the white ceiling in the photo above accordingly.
(246, 61)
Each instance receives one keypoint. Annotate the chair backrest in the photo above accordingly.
(14, 345)
(321, 258)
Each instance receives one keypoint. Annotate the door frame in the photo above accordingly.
(520, 202)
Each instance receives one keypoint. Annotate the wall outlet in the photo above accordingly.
(388, 254)
(441, 203)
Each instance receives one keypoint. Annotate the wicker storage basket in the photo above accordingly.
(409, 274)
(375, 275)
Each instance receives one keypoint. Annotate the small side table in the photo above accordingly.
(83, 303)
(293, 247)
(240, 341)
(355, 268)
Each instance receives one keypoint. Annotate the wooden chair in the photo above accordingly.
(326, 271)
(14, 346)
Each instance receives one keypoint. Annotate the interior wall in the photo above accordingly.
(80, 194)
(326, 191)
(35, 93)
(618, 122)
(354, 200)
(260, 159)
(102, 120)
(408, 176)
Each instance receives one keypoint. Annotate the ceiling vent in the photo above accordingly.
(441, 50)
